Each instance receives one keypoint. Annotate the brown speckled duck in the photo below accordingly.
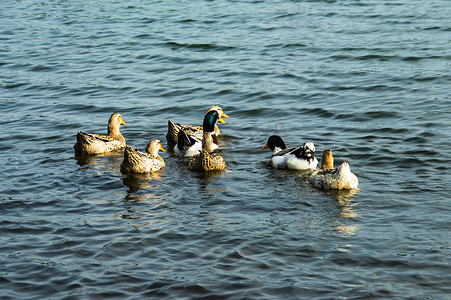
(191, 130)
(328, 178)
(89, 143)
(206, 160)
(139, 162)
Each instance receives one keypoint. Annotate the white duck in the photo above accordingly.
(328, 178)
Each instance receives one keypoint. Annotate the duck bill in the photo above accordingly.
(161, 149)
(265, 147)
(123, 123)
(224, 115)
(221, 120)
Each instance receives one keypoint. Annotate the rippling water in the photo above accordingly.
(368, 79)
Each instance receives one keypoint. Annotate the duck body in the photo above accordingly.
(139, 162)
(298, 158)
(328, 178)
(89, 143)
(335, 179)
(194, 131)
(205, 161)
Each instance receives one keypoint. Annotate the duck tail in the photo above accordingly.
(172, 127)
(344, 169)
(350, 181)
(306, 151)
(131, 156)
(128, 152)
(171, 136)
(83, 138)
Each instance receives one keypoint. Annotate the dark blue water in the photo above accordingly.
(368, 79)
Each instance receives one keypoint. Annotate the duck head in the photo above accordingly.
(153, 146)
(114, 123)
(210, 120)
(219, 110)
(275, 143)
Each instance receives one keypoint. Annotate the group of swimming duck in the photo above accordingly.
(198, 143)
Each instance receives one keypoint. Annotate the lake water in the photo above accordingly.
(368, 79)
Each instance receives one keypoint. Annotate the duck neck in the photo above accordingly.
(208, 141)
(276, 149)
(113, 129)
(327, 161)
(152, 151)
(210, 121)
(327, 165)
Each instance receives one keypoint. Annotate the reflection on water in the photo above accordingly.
(346, 210)
(346, 230)
(139, 218)
(367, 79)
(344, 199)
(144, 203)
(209, 188)
(145, 190)
(344, 203)
(101, 162)
(87, 160)
(140, 181)
(204, 179)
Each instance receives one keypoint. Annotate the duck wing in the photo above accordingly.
(174, 128)
(100, 137)
(185, 141)
(284, 152)
(193, 131)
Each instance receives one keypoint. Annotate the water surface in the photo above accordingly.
(368, 79)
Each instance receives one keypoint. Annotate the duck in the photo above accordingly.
(191, 130)
(188, 145)
(140, 162)
(328, 178)
(90, 143)
(206, 160)
(298, 158)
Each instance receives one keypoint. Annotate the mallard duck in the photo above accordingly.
(191, 130)
(89, 143)
(206, 160)
(328, 178)
(188, 145)
(299, 158)
(139, 162)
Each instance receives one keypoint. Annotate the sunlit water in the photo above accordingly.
(368, 79)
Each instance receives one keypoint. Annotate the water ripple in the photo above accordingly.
(369, 80)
